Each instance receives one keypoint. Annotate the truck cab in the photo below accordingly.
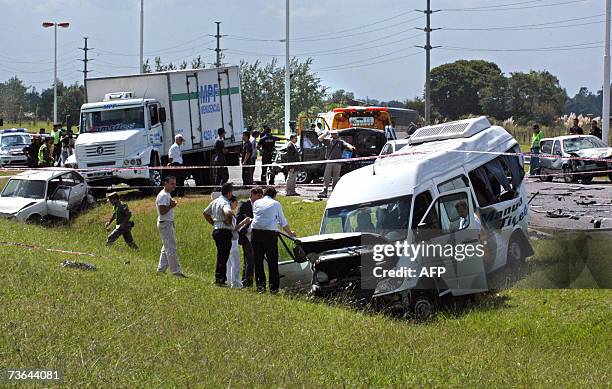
(122, 132)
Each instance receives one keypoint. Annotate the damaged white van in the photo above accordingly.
(454, 184)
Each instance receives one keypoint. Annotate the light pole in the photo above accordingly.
(287, 74)
(55, 25)
(141, 36)
(605, 114)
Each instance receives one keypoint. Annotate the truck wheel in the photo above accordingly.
(568, 175)
(303, 176)
(155, 175)
(587, 180)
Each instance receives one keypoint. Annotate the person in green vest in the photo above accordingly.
(44, 153)
(123, 224)
(536, 137)
(56, 134)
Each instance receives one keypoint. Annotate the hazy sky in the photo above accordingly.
(363, 46)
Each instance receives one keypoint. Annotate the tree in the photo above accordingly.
(457, 88)
(12, 99)
(418, 104)
(341, 98)
(584, 103)
(535, 96)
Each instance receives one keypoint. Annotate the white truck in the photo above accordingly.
(129, 123)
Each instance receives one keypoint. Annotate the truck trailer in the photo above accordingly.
(129, 123)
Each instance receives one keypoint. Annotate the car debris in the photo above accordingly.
(78, 265)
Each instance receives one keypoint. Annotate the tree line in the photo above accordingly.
(459, 89)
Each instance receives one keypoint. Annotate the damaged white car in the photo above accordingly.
(39, 195)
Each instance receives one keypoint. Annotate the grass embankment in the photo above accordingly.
(126, 326)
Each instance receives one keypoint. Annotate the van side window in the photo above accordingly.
(547, 147)
(557, 148)
(458, 182)
(153, 114)
(421, 202)
(498, 180)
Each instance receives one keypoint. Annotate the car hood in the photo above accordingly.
(603, 152)
(14, 148)
(108, 136)
(12, 205)
(321, 243)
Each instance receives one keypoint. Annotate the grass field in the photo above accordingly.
(125, 326)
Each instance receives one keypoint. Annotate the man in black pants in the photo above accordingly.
(267, 145)
(219, 215)
(244, 237)
(267, 215)
(220, 159)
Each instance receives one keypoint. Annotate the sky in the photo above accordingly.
(367, 47)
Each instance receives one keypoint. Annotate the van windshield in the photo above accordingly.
(388, 218)
(24, 188)
(112, 120)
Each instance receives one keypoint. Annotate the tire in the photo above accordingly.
(568, 177)
(586, 180)
(155, 177)
(303, 176)
(545, 177)
(423, 308)
(515, 254)
(35, 219)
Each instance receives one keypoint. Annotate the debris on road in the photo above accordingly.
(78, 265)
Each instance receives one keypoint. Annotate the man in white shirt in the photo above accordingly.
(267, 216)
(219, 215)
(175, 157)
(464, 220)
(165, 205)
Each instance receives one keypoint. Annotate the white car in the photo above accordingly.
(12, 145)
(39, 195)
(392, 146)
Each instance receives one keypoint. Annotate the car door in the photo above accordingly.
(79, 189)
(293, 275)
(444, 226)
(556, 159)
(57, 199)
(546, 151)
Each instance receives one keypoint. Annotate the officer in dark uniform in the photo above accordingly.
(266, 146)
(123, 225)
(220, 160)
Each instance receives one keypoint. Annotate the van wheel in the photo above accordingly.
(34, 219)
(515, 250)
(568, 175)
(423, 308)
(303, 176)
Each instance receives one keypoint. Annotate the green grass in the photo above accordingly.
(32, 126)
(125, 326)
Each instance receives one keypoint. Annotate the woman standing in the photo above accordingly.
(233, 262)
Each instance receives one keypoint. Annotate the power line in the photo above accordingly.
(545, 25)
(506, 8)
(576, 46)
(368, 64)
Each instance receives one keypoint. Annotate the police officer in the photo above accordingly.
(267, 146)
(44, 153)
(123, 224)
(220, 159)
(56, 134)
(293, 155)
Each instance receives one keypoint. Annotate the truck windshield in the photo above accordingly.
(386, 218)
(24, 188)
(112, 120)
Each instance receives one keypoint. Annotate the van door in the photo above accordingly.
(451, 231)
(293, 275)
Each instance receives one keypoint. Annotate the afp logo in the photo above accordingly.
(209, 93)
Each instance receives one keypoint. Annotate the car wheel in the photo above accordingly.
(303, 176)
(568, 175)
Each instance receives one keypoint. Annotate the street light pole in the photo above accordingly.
(55, 26)
(287, 75)
(141, 36)
(605, 114)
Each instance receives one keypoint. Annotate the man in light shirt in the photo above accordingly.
(175, 156)
(267, 216)
(464, 218)
(165, 205)
(219, 215)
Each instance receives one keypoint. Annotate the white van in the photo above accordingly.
(412, 196)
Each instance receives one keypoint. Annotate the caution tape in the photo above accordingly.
(34, 247)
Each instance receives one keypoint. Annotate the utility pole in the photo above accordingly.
(218, 49)
(55, 25)
(85, 60)
(428, 47)
(287, 75)
(141, 36)
(605, 129)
